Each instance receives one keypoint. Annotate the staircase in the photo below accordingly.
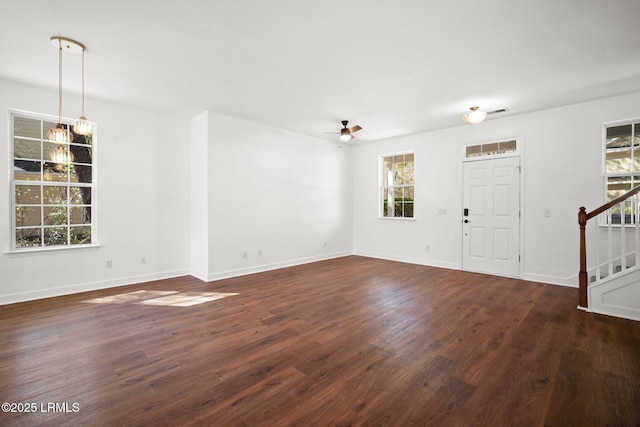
(610, 260)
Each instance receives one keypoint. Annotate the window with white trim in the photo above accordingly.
(397, 189)
(52, 186)
(622, 158)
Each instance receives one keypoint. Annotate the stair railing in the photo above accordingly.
(620, 213)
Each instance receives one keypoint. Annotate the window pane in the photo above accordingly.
(28, 237)
(46, 126)
(617, 186)
(80, 195)
(55, 195)
(408, 176)
(408, 210)
(26, 170)
(80, 215)
(408, 193)
(27, 194)
(618, 161)
(48, 147)
(55, 236)
(397, 209)
(81, 173)
(492, 148)
(397, 177)
(56, 172)
(636, 160)
(385, 208)
(26, 149)
(23, 126)
(408, 158)
(28, 216)
(55, 215)
(81, 154)
(508, 146)
(619, 136)
(80, 235)
(474, 150)
(398, 194)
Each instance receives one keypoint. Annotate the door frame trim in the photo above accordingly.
(518, 153)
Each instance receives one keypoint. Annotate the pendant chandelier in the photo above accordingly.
(61, 133)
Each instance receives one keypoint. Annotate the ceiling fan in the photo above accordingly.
(346, 134)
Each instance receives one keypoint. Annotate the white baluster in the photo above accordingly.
(610, 242)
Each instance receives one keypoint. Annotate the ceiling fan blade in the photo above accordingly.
(356, 128)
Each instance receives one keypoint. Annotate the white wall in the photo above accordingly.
(199, 190)
(191, 197)
(562, 170)
(275, 198)
(142, 201)
(284, 198)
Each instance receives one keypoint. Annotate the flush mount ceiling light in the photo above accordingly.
(475, 116)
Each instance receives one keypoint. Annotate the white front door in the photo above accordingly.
(491, 216)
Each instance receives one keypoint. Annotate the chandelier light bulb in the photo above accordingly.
(82, 126)
(61, 155)
(59, 134)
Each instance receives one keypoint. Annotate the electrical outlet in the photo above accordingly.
(244, 254)
(109, 263)
(143, 260)
(259, 252)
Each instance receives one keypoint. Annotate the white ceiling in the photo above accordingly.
(394, 67)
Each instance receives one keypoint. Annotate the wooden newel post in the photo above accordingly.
(582, 276)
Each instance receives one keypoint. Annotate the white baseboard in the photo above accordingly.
(90, 286)
(268, 267)
(571, 282)
(410, 260)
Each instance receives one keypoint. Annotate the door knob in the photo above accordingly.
(466, 221)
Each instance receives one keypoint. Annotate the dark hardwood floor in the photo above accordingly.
(350, 341)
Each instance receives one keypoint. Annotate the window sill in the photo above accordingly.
(396, 218)
(40, 251)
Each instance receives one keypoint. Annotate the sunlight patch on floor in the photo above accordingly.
(167, 298)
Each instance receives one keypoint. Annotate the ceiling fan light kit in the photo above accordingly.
(346, 134)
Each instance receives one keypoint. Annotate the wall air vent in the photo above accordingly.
(500, 110)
